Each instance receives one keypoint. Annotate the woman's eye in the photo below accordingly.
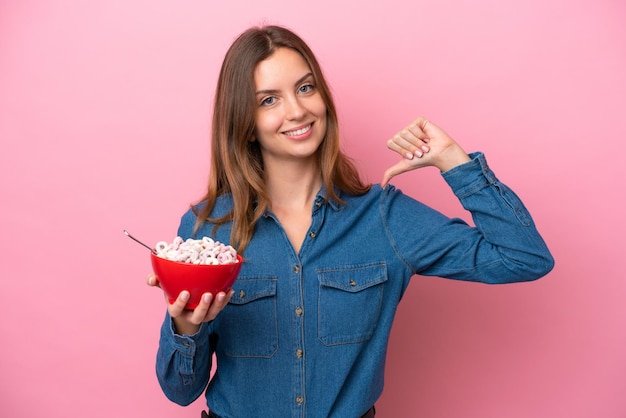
(268, 101)
(306, 88)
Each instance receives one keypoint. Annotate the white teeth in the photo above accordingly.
(298, 131)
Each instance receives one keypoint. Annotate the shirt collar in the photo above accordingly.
(321, 198)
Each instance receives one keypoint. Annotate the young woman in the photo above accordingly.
(305, 329)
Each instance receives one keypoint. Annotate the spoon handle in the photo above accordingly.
(136, 240)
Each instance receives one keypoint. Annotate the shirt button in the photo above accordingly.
(299, 353)
(299, 400)
(298, 311)
(352, 282)
(296, 268)
(242, 293)
(312, 234)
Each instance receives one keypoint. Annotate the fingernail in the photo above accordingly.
(184, 295)
(409, 155)
(418, 153)
(206, 298)
(425, 148)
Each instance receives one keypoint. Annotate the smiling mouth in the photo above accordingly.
(300, 131)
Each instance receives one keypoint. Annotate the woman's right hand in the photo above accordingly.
(187, 321)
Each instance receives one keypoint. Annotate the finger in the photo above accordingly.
(422, 123)
(408, 148)
(394, 145)
(152, 280)
(219, 303)
(409, 142)
(398, 168)
(222, 299)
(200, 312)
(416, 130)
(418, 133)
(209, 306)
(176, 308)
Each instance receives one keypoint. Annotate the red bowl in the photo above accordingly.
(197, 279)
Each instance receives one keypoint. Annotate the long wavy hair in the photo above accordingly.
(236, 161)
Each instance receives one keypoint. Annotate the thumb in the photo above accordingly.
(398, 168)
(153, 280)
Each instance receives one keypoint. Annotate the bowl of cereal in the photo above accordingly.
(198, 266)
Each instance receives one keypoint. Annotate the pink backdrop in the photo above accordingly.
(104, 119)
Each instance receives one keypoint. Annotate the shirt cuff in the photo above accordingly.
(469, 177)
(186, 344)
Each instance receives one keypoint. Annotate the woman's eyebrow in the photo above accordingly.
(274, 91)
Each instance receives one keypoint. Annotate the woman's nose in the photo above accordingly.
(294, 109)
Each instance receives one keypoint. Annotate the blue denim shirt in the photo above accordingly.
(305, 334)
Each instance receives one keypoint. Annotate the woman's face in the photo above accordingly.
(290, 114)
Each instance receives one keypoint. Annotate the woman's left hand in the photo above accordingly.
(423, 144)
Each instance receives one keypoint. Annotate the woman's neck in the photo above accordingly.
(293, 186)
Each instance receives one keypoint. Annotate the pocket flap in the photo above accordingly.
(249, 289)
(354, 278)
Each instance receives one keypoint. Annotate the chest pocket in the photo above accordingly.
(349, 304)
(248, 325)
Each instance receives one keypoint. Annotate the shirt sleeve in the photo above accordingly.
(504, 246)
(183, 363)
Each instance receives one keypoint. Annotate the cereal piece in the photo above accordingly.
(202, 251)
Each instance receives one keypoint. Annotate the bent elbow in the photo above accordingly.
(177, 395)
(533, 269)
(541, 265)
(548, 265)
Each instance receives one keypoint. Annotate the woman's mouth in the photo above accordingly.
(299, 131)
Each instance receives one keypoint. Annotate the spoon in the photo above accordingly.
(136, 240)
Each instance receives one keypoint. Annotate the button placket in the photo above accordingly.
(298, 345)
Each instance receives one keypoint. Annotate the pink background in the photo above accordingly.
(104, 121)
